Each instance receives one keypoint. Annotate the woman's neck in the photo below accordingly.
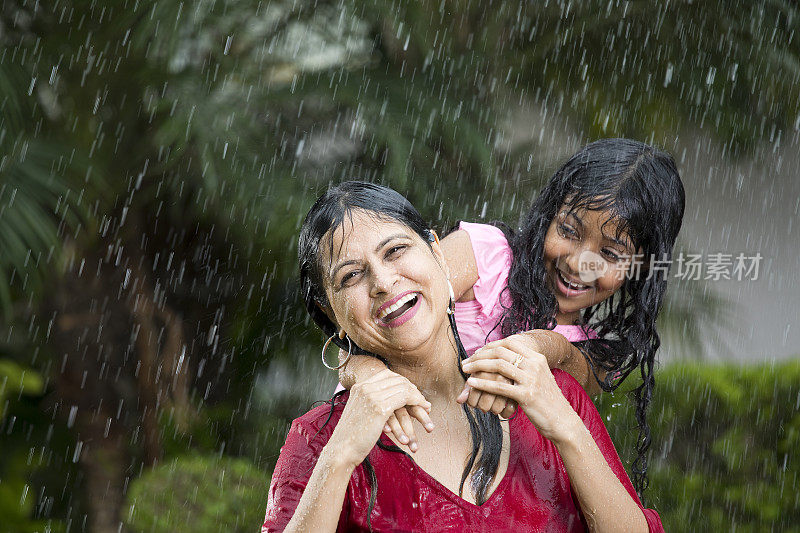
(434, 368)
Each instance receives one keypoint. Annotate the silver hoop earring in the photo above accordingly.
(346, 359)
(452, 305)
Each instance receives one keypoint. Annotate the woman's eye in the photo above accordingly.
(395, 250)
(348, 277)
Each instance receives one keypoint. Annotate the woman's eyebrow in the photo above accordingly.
(341, 266)
(377, 249)
(389, 239)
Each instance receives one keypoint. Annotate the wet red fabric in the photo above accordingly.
(534, 494)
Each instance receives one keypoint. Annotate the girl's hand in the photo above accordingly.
(532, 386)
(367, 411)
(488, 402)
(401, 425)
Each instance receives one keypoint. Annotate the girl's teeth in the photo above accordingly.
(571, 285)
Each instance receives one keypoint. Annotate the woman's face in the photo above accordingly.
(386, 286)
(585, 260)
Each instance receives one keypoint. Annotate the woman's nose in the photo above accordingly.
(383, 279)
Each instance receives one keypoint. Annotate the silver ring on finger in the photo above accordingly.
(512, 417)
(518, 360)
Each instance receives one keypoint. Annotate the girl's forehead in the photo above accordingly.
(606, 220)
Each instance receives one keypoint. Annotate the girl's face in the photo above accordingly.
(585, 260)
(387, 288)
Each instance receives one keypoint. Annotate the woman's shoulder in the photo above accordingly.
(570, 388)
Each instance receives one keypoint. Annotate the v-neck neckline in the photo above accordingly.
(440, 487)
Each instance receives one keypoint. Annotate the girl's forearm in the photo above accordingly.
(603, 499)
(359, 368)
(562, 354)
(321, 504)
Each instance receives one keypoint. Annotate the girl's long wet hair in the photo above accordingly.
(640, 186)
(328, 213)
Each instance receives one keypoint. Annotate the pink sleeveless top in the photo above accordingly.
(476, 319)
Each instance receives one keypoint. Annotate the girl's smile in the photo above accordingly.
(586, 259)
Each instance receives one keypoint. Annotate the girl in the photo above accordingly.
(581, 258)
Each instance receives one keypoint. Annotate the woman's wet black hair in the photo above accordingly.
(641, 187)
(330, 211)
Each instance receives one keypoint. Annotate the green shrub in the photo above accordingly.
(198, 494)
(725, 446)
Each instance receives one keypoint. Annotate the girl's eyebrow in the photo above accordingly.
(616, 241)
(573, 215)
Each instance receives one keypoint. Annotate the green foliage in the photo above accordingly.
(17, 491)
(725, 445)
(198, 493)
(14, 379)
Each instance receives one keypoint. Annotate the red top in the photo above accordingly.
(534, 495)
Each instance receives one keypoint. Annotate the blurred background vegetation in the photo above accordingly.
(157, 158)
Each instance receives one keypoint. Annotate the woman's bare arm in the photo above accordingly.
(330, 478)
(604, 500)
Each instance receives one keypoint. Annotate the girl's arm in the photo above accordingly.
(562, 354)
(359, 369)
(460, 259)
(559, 352)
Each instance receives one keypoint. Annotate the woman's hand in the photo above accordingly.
(486, 401)
(368, 409)
(529, 383)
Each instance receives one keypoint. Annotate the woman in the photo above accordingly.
(374, 279)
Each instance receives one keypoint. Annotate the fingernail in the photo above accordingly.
(387, 429)
(413, 446)
(429, 426)
(403, 439)
(471, 380)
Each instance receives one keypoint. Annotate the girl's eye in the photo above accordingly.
(567, 230)
(611, 255)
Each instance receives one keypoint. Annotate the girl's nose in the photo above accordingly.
(572, 260)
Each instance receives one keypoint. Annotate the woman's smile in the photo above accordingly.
(388, 287)
(399, 309)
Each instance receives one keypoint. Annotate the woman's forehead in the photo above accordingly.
(359, 232)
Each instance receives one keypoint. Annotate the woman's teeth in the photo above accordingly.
(569, 284)
(396, 307)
